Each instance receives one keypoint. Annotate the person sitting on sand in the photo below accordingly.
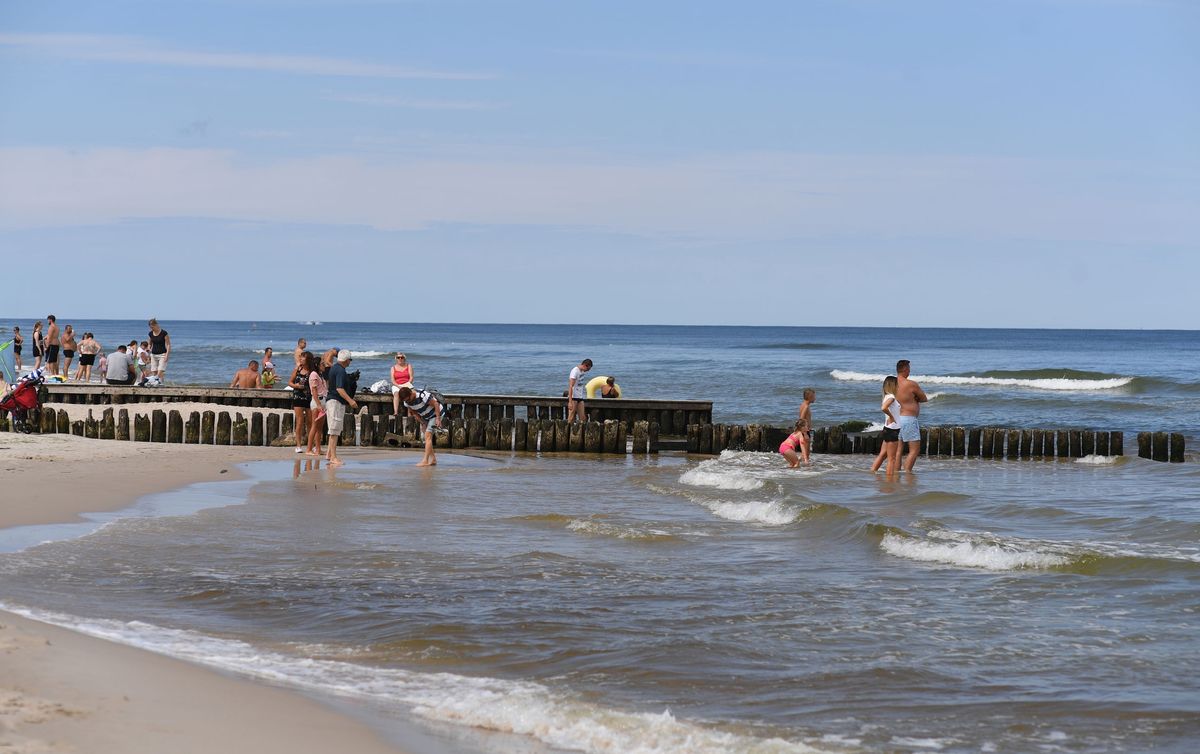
(424, 408)
(246, 378)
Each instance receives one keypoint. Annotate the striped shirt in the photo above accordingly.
(421, 404)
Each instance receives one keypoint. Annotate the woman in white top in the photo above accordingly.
(891, 431)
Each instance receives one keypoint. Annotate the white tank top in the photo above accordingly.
(893, 410)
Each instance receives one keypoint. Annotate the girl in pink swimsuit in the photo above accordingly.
(797, 439)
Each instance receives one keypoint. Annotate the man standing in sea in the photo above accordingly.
(910, 396)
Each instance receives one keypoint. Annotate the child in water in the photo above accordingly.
(890, 449)
(788, 447)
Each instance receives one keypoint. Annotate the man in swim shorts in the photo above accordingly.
(577, 392)
(910, 396)
(53, 341)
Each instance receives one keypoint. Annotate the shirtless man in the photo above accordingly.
(245, 378)
(910, 396)
(53, 342)
(301, 347)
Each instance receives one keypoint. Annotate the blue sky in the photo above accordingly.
(853, 162)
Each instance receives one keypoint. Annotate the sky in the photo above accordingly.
(993, 163)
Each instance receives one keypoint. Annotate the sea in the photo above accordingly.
(567, 603)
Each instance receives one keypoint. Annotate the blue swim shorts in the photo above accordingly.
(910, 429)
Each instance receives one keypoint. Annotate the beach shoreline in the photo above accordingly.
(63, 691)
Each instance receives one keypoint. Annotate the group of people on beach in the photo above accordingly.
(323, 389)
(901, 407)
(54, 350)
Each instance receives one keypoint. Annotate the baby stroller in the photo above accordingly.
(25, 395)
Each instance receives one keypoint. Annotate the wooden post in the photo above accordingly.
(224, 427)
(706, 439)
(491, 434)
(108, 425)
(47, 421)
(475, 433)
(1101, 443)
(575, 437)
(593, 434)
(271, 434)
(91, 426)
(174, 427)
(63, 420)
(123, 424)
(1089, 444)
(1116, 443)
(608, 436)
(693, 438)
(958, 441)
(141, 428)
(652, 438)
(1177, 449)
(286, 425)
(737, 437)
(1076, 443)
(562, 438)
(348, 429)
(77, 428)
(1027, 443)
(1038, 449)
(520, 434)
(191, 429)
(1161, 447)
(753, 437)
(366, 432)
(240, 434)
(641, 431)
(835, 439)
(975, 442)
(666, 422)
(989, 442)
(208, 427)
(1014, 443)
(1063, 443)
(533, 428)
(622, 437)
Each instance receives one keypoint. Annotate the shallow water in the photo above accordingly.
(673, 604)
(1005, 606)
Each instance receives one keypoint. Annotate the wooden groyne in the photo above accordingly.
(534, 423)
(672, 416)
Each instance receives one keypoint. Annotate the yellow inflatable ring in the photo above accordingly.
(593, 386)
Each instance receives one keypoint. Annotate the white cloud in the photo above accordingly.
(384, 100)
(742, 197)
(136, 50)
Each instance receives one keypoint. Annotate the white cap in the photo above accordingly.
(344, 355)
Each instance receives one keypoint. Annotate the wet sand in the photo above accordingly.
(61, 691)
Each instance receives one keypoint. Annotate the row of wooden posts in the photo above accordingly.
(672, 416)
(259, 429)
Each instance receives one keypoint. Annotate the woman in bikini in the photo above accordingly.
(797, 439)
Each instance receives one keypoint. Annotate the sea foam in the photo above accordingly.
(1041, 383)
(991, 556)
(555, 717)
(724, 479)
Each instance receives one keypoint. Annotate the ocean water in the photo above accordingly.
(540, 603)
(1098, 379)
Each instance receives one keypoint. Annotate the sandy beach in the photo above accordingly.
(61, 691)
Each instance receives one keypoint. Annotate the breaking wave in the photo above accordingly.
(1036, 380)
